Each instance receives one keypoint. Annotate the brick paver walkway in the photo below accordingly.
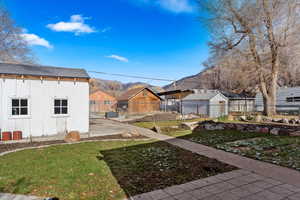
(234, 185)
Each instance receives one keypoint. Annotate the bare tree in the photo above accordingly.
(260, 29)
(13, 48)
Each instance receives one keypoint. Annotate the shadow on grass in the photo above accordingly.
(147, 167)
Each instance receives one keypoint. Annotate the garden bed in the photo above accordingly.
(284, 151)
(103, 170)
(13, 146)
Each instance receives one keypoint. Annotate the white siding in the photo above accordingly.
(281, 103)
(215, 106)
(41, 94)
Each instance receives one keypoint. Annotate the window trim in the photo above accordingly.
(293, 99)
(53, 107)
(11, 116)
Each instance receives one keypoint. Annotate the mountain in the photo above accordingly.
(115, 88)
(190, 82)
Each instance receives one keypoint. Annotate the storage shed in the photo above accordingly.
(208, 103)
(40, 100)
(139, 100)
(101, 102)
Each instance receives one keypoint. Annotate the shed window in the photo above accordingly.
(106, 102)
(19, 107)
(60, 106)
(293, 99)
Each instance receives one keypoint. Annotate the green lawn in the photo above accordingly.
(164, 123)
(102, 170)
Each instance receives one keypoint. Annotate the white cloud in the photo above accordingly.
(33, 39)
(119, 58)
(75, 25)
(106, 29)
(177, 6)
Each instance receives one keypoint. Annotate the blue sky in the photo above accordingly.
(156, 38)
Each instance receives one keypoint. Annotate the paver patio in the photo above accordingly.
(235, 185)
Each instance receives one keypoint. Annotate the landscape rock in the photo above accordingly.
(275, 131)
(295, 134)
(156, 129)
(188, 125)
(126, 135)
(258, 118)
(230, 117)
(240, 127)
(230, 126)
(213, 127)
(284, 132)
(135, 133)
(264, 130)
(243, 118)
(284, 120)
(267, 119)
(292, 121)
(72, 136)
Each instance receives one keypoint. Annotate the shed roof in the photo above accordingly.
(133, 92)
(232, 95)
(203, 95)
(39, 70)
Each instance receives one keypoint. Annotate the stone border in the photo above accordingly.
(274, 129)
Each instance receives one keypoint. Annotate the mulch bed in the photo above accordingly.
(14, 146)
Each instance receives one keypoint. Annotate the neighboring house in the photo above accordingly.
(209, 103)
(239, 103)
(102, 102)
(139, 100)
(172, 99)
(288, 100)
(40, 100)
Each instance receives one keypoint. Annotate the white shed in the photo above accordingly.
(210, 103)
(40, 100)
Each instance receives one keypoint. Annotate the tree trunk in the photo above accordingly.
(270, 106)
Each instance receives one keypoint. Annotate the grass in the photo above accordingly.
(164, 123)
(102, 170)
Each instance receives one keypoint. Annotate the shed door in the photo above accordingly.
(222, 108)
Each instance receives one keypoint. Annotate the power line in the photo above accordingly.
(132, 76)
(149, 78)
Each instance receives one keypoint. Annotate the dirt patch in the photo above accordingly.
(14, 146)
(156, 117)
(243, 148)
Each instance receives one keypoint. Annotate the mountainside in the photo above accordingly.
(189, 82)
(115, 88)
(217, 78)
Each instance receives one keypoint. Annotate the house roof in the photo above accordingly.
(39, 70)
(203, 95)
(232, 95)
(99, 90)
(133, 92)
(170, 92)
